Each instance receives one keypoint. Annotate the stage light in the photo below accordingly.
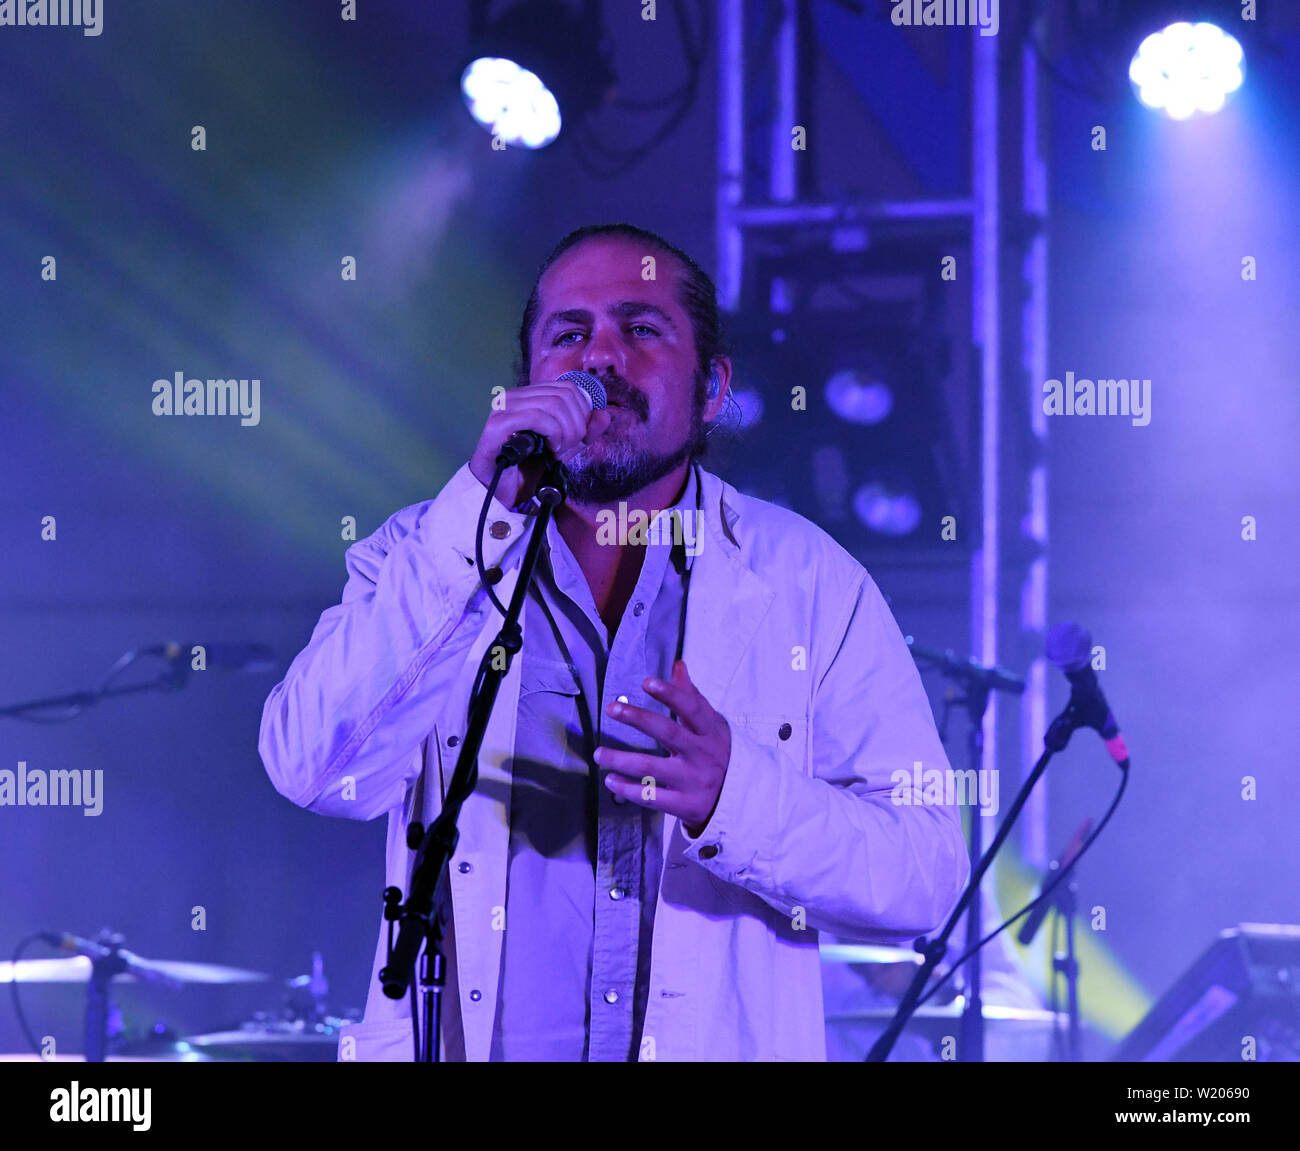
(1187, 68)
(859, 397)
(534, 69)
(511, 102)
(887, 508)
(875, 460)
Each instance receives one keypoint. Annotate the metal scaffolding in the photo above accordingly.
(1004, 220)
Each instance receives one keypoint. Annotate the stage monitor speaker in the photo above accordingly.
(1240, 1000)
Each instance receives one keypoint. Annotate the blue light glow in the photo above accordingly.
(511, 102)
(858, 397)
(887, 509)
(1187, 68)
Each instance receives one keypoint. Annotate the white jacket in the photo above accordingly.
(786, 636)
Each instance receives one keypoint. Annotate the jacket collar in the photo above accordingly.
(720, 503)
(727, 600)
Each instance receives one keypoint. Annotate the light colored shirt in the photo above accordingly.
(584, 864)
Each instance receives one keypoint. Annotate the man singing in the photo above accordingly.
(687, 773)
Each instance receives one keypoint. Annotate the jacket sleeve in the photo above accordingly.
(852, 843)
(341, 733)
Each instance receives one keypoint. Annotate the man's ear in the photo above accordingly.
(720, 366)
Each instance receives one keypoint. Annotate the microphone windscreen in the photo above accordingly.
(591, 387)
(1069, 646)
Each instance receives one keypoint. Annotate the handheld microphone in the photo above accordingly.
(1069, 647)
(521, 445)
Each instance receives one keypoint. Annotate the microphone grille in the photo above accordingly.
(1069, 646)
(588, 383)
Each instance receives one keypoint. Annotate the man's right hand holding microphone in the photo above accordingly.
(561, 412)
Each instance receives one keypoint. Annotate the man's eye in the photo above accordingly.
(644, 328)
(563, 337)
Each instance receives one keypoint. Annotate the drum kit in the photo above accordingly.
(301, 1031)
(304, 1031)
(1014, 1033)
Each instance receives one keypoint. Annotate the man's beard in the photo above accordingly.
(623, 469)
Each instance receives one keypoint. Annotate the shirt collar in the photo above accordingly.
(681, 553)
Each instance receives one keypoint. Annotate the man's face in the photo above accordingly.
(598, 315)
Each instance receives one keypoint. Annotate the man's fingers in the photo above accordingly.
(652, 723)
(560, 407)
(654, 795)
(666, 771)
(684, 700)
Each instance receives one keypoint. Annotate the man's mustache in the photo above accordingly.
(619, 391)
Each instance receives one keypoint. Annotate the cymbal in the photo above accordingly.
(77, 969)
(936, 1022)
(867, 953)
(176, 1056)
(271, 1043)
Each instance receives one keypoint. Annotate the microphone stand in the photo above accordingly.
(418, 924)
(1081, 711)
(1063, 900)
(978, 683)
(245, 657)
(171, 680)
(108, 958)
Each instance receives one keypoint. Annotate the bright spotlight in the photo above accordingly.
(538, 66)
(510, 102)
(859, 397)
(1187, 68)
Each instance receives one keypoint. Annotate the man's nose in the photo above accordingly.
(603, 354)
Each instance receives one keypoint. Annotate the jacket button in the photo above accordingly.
(475, 995)
(611, 996)
(464, 868)
(453, 740)
(493, 575)
(499, 529)
(709, 851)
(784, 733)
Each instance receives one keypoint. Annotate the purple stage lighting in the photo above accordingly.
(1187, 68)
(858, 397)
(887, 509)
